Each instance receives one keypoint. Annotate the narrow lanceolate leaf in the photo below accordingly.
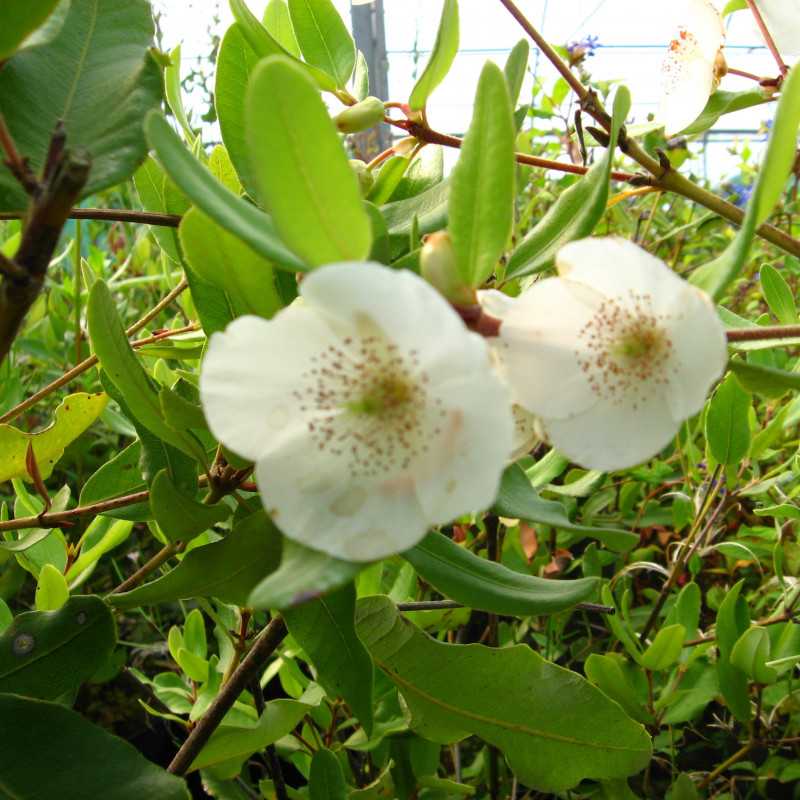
(479, 583)
(727, 422)
(51, 751)
(19, 21)
(481, 212)
(235, 63)
(47, 653)
(323, 38)
(301, 169)
(278, 23)
(97, 76)
(227, 569)
(577, 210)
(325, 629)
(515, 67)
(124, 370)
(768, 381)
(519, 500)
(72, 417)
(303, 575)
(441, 59)
(778, 295)
(733, 619)
(553, 726)
(223, 260)
(721, 103)
(776, 167)
(233, 213)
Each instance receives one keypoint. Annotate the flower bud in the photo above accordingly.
(361, 116)
(365, 177)
(438, 266)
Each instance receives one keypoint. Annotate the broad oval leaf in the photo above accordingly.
(721, 103)
(119, 476)
(481, 212)
(325, 629)
(577, 210)
(223, 260)
(326, 777)
(751, 653)
(552, 725)
(71, 418)
(778, 295)
(733, 619)
(19, 21)
(233, 213)
(768, 381)
(50, 751)
(444, 51)
(727, 422)
(51, 589)
(302, 172)
(323, 38)
(227, 569)
(303, 575)
(98, 77)
(479, 583)
(518, 499)
(665, 649)
(47, 653)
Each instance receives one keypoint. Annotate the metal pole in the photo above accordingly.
(370, 35)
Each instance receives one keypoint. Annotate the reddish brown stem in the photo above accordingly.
(769, 41)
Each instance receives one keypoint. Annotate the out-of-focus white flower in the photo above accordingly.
(371, 412)
(692, 67)
(782, 18)
(612, 355)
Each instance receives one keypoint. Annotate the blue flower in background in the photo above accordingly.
(739, 192)
(585, 48)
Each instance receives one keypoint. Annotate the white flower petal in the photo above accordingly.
(782, 18)
(699, 351)
(538, 343)
(688, 71)
(244, 409)
(615, 267)
(615, 435)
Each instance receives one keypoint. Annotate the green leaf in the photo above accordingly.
(605, 672)
(665, 649)
(223, 260)
(444, 51)
(279, 25)
(778, 295)
(117, 477)
(506, 697)
(230, 744)
(231, 212)
(776, 167)
(751, 653)
(721, 103)
(303, 575)
(481, 209)
(429, 209)
(50, 751)
(99, 84)
(733, 619)
(123, 369)
(264, 44)
(158, 193)
(227, 569)
(323, 38)
(325, 629)
(172, 87)
(515, 68)
(71, 418)
(326, 777)
(51, 589)
(727, 423)
(577, 210)
(92, 551)
(683, 788)
(302, 172)
(17, 23)
(479, 583)
(768, 381)
(518, 499)
(45, 654)
(235, 63)
(181, 518)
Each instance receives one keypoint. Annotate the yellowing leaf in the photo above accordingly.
(72, 418)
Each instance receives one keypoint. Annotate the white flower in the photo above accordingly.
(370, 410)
(782, 18)
(613, 354)
(690, 71)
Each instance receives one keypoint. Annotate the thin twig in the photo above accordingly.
(91, 361)
(113, 215)
(163, 555)
(248, 671)
(767, 36)
(763, 332)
